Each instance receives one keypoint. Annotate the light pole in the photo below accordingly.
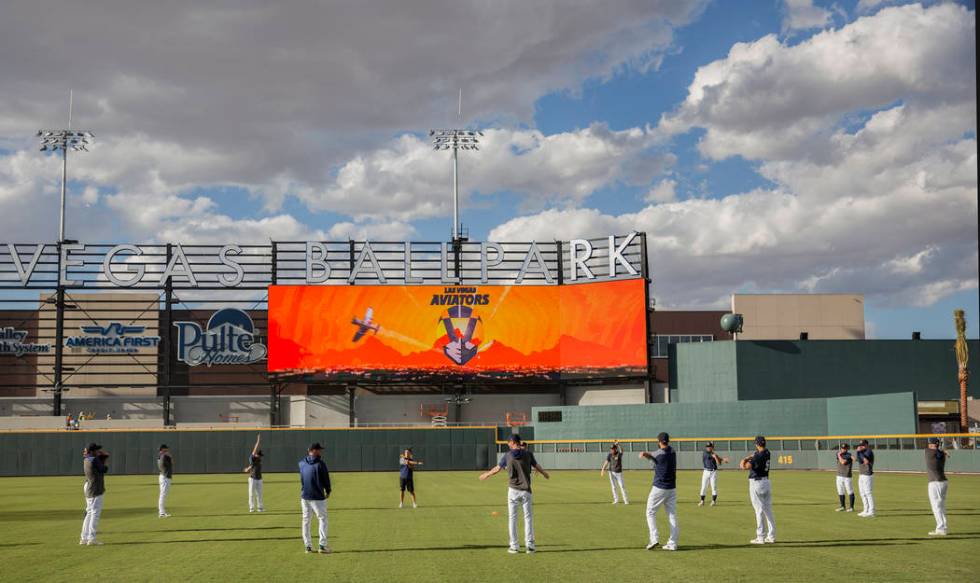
(455, 140)
(64, 140)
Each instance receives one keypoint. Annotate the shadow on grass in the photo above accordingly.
(79, 513)
(208, 540)
(203, 529)
(8, 545)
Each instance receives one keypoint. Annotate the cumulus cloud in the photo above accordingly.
(664, 191)
(882, 203)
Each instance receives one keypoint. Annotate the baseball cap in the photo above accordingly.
(934, 440)
(93, 447)
(845, 446)
(164, 446)
(315, 445)
(515, 438)
(710, 444)
(863, 442)
(760, 440)
(663, 437)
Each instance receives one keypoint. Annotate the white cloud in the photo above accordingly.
(664, 191)
(803, 15)
(884, 204)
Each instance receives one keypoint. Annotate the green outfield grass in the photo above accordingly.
(453, 535)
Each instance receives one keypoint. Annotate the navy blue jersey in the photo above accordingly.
(759, 465)
(866, 469)
(665, 468)
(708, 459)
(406, 469)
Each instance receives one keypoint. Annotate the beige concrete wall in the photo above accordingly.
(784, 316)
(624, 395)
(136, 308)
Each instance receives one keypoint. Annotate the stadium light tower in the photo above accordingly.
(455, 140)
(64, 140)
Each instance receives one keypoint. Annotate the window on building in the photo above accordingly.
(661, 341)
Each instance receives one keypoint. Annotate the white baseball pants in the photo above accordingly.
(866, 485)
(93, 511)
(760, 492)
(311, 507)
(937, 499)
(616, 478)
(844, 485)
(255, 494)
(667, 499)
(164, 492)
(709, 477)
(520, 499)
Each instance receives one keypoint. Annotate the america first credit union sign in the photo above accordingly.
(185, 266)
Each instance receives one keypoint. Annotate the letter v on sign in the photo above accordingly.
(25, 274)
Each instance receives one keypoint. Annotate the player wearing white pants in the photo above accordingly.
(866, 479)
(96, 465)
(845, 485)
(663, 493)
(760, 492)
(614, 463)
(938, 485)
(254, 471)
(709, 477)
(165, 463)
(518, 462)
(311, 507)
(315, 482)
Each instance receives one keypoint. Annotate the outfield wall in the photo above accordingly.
(874, 414)
(58, 453)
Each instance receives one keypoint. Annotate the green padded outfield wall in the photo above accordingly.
(226, 451)
(879, 414)
(776, 369)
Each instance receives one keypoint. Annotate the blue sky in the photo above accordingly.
(771, 145)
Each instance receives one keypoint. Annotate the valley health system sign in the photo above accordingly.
(190, 266)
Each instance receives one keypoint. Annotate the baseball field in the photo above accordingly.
(459, 531)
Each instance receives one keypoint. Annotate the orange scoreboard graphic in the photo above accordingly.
(485, 332)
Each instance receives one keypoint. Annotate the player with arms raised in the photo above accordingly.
(254, 471)
(406, 477)
(518, 462)
(710, 460)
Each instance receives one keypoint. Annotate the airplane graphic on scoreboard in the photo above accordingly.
(364, 325)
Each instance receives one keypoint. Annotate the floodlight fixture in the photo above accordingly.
(65, 140)
(455, 140)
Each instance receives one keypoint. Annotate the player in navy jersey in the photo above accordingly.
(845, 485)
(760, 492)
(663, 493)
(710, 460)
(406, 477)
(866, 462)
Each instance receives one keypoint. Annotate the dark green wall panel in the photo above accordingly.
(59, 453)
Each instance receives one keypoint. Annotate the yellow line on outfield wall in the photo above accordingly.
(250, 429)
(768, 438)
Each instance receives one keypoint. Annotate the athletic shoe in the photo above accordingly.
(615, 501)
(937, 533)
(309, 549)
(414, 505)
(250, 510)
(513, 550)
(83, 542)
(701, 503)
(869, 515)
(840, 509)
(769, 540)
(261, 510)
(401, 504)
(757, 541)
(531, 549)
(164, 515)
(626, 502)
(670, 547)
(325, 550)
(652, 546)
(850, 510)
(98, 543)
(713, 503)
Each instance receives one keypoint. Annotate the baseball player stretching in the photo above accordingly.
(760, 492)
(614, 463)
(315, 489)
(165, 463)
(96, 465)
(844, 483)
(663, 493)
(710, 460)
(254, 471)
(406, 477)
(866, 462)
(518, 463)
(938, 485)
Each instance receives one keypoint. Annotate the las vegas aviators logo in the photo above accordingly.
(460, 325)
(229, 339)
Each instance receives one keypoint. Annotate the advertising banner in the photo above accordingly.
(484, 332)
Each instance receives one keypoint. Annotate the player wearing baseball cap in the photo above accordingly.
(315, 482)
(614, 463)
(406, 476)
(710, 460)
(95, 464)
(845, 486)
(518, 462)
(866, 462)
(165, 463)
(938, 485)
(760, 492)
(254, 471)
(663, 493)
